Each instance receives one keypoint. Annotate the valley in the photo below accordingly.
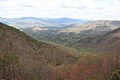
(80, 36)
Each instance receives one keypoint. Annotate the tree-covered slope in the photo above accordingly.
(33, 55)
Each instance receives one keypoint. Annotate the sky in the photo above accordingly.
(82, 9)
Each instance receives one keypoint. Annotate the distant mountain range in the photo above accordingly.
(80, 36)
(99, 25)
(25, 22)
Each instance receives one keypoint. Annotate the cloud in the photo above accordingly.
(89, 9)
(3, 0)
(76, 7)
(25, 5)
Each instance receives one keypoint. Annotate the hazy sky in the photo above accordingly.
(83, 9)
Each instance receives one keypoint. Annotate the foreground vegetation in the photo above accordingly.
(87, 67)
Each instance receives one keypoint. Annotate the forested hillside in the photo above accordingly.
(35, 58)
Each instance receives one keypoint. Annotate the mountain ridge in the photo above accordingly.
(100, 24)
(39, 22)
